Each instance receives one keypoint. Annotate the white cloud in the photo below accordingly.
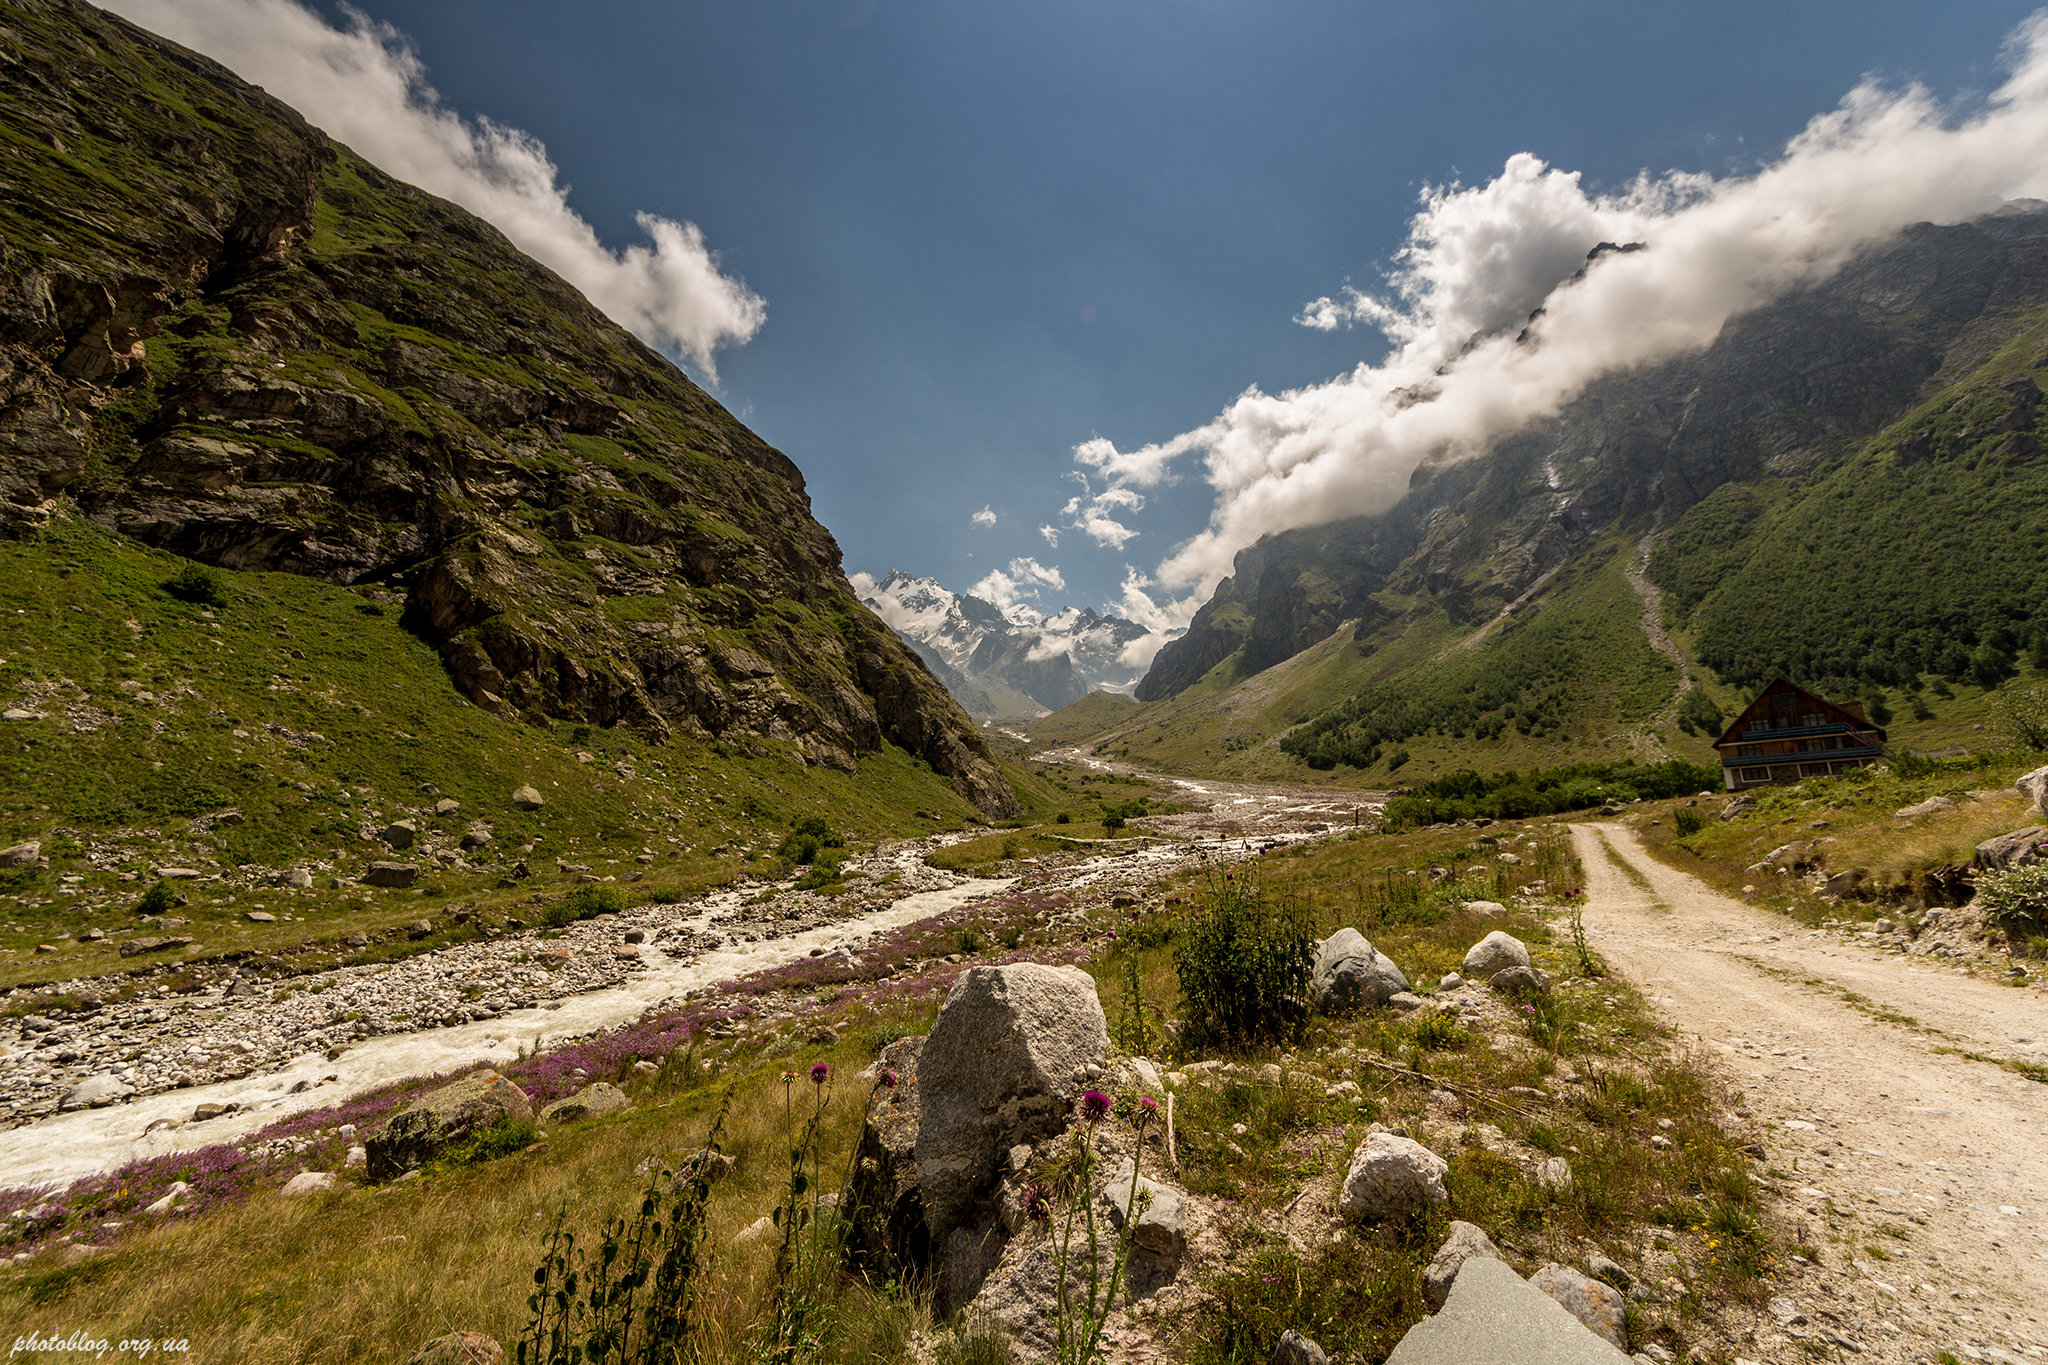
(1024, 580)
(367, 87)
(985, 517)
(1051, 534)
(1479, 260)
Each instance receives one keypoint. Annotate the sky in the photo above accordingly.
(1071, 300)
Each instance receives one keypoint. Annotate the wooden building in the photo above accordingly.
(1788, 733)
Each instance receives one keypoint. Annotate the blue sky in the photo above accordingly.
(986, 233)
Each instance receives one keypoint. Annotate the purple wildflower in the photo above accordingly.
(1094, 1106)
(820, 1074)
(1148, 1104)
(1038, 1203)
(888, 1078)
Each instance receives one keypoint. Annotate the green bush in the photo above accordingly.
(503, 1138)
(156, 900)
(1063, 818)
(585, 902)
(1688, 822)
(2016, 900)
(1243, 962)
(808, 837)
(199, 585)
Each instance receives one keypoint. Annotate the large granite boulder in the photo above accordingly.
(1599, 1306)
(1352, 974)
(1010, 1051)
(438, 1118)
(1466, 1241)
(886, 1230)
(2021, 848)
(1497, 952)
(1493, 1316)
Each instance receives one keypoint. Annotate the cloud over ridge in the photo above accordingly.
(1468, 365)
(367, 87)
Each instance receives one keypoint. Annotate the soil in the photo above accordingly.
(1874, 1123)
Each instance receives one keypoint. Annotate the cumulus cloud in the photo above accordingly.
(1468, 364)
(366, 86)
(1051, 534)
(985, 517)
(1019, 585)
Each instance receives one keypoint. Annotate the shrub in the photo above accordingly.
(1243, 961)
(2023, 715)
(1112, 823)
(503, 1138)
(808, 838)
(585, 902)
(1688, 822)
(156, 900)
(199, 585)
(2016, 900)
(1063, 818)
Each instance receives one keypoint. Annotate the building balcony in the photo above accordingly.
(1811, 756)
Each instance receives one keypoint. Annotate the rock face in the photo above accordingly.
(544, 462)
(1599, 1306)
(885, 1205)
(1493, 1316)
(1466, 1241)
(1497, 952)
(1352, 974)
(599, 1097)
(440, 1117)
(2021, 848)
(1010, 1051)
(1392, 1179)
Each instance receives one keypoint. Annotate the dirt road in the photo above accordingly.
(1932, 1169)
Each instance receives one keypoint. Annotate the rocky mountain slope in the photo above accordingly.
(1005, 661)
(1846, 487)
(226, 335)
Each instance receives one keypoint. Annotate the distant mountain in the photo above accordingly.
(1000, 662)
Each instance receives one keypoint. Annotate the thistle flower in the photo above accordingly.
(1149, 1105)
(820, 1074)
(1094, 1106)
(1038, 1203)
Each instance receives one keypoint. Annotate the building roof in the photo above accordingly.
(1835, 714)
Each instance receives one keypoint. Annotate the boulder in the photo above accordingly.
(135, 947)
(22, 855)
(2033, 786)
(887, 1233)
(1741, 805)
(399, 833)
(308, 1182)
(1159, 1222)
(1466, 1241)
(2021, 848)
(599, 1097)
(1352, 974)
(1497, 952)
(1599, 1306)
(1933, 805)
(447, 805)
(440, 1117)
(1011, 1048)
(1554, 1173)
(459, 1348)
(477, 835)
(1485, 909)
(1495, 1317)
(96, 1092)
(526, 798)
(1296, 1349)
(1392, 1179)
(1530, 980)
(391, 874)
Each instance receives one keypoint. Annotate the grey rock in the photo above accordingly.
(18, 713)
(599, 1097)
(1741, 805)
(527, 798)
(1599, 1306)
(1011, 1048)
(2034, 786)
(1466, 1241)
(22, 855)
(308, 1182)
(1497, 952)
(1405, 1001)
(447, 805)
(1485, 909)
(135, 947)
(477, 835)
(1392, 1179)
(1352, 974)
(1449, 981)
(1611, 1271)
(260, 916)
(1533, 980)
(1296, 1349)
(400, 833)
(1495, 1317)
(1785, 1311)
(883, 1174)
(2021, 848)
(459, 1348)
(391, 874)
(440, 1117)
(1933, 805)
(1554, 1173)
(1160, 1220)
(298, 877)
(96, 1092)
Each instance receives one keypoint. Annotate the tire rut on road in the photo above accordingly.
(1951, 1151)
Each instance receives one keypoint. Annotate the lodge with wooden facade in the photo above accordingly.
(1788, 733)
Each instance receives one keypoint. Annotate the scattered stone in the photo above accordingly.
(2021, 848)
(400, 833)
(1785, 1311)
(1405, 1001)
(391, 874)
(640, 936)
(1554, 1173)
(1352, 974)
(1529, 980)
(419, 929)
(308, 1182)
(1392, 1179)
(477, 835)
(2034, 786)
(135, 947)
(755, 1231)
(1296, 1349)
(208, 1111)
(1449, 981)
(1010, 1049)
(260, 916)
(1611, 1271)
(178, 874)
(1933, 805)
(1493, 1316)
(458, 1348)
(1466, 1241)
(447, 805)
(16, 714)
(1161, 1219)
(527, 798)
(96, 1092)
(1497, 952)
(1741, 805)
(1599, 1306)
(432, 1121)
(1485, 909)
(599, 1097)
(22, 855)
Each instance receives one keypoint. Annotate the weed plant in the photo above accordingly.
(1243, 959)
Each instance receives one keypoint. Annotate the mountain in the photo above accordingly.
(1018, 661)
(1846, 487)
(227, 336)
